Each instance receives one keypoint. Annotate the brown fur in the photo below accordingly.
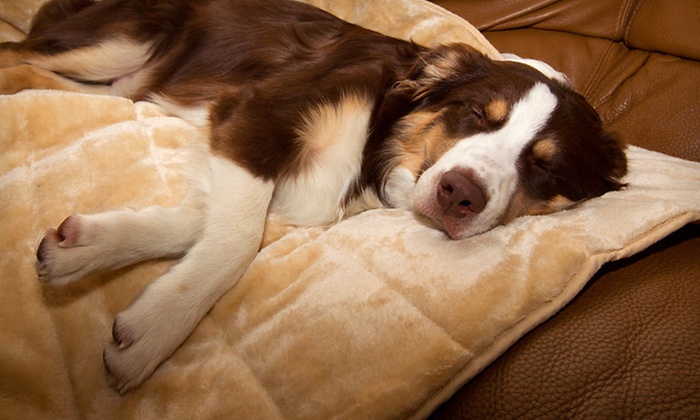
(256, 66)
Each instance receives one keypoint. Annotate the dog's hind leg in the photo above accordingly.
(108, 42)
(25, 76)
(167, 311)
(66, 47)
(114, 67)
(10, 55)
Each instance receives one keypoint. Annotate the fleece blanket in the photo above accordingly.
(376, 317)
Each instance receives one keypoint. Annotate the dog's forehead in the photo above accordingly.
(505, 82)
(504, 129)
(486, 103)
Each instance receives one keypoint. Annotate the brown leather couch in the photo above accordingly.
(629, 345)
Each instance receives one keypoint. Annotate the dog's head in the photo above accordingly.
(488, 141)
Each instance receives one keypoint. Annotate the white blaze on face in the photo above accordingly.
(492, 157)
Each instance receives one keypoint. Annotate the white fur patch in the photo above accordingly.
(492, 157)
(334, 137)
(198, 115)
(399, 188)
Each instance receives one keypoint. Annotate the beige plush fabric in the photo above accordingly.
(377, 317)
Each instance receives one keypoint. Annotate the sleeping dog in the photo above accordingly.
(307, 116)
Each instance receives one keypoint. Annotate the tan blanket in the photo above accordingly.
(377, 317)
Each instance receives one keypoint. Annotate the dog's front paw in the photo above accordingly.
(143, 338)
(64, 254)
(130, 366)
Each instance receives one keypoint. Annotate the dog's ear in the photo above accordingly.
(449, 61)
(540, 66)
(616, 158)
(442, 66)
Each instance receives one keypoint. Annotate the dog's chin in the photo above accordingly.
(455, 228)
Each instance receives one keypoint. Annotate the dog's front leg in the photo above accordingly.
(86, 244)
(162, 317)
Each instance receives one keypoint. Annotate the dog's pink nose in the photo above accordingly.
(459, 195)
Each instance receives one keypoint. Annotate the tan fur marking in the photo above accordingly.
(545, 149)
(9, 58)
(497, 110)
(560, 203)
(555, 204)
(18, 78)
(518, 206)
(443, 67)
(421, 141)
(334, 128)
(522, 205)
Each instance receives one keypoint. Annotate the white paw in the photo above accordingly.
(68, 253)
(145, 335)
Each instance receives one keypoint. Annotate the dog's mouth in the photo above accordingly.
(455, 228)
(465, 224)
(455, 202)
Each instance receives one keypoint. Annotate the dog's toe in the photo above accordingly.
(45, 253)
(70, 252)
(43, 249)
(121, 336)
(129, 367)
(69, 231)
(105, 362)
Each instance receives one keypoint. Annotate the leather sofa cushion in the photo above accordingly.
(669, 27)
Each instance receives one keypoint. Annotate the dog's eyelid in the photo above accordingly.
(477, 110)
(541, 163)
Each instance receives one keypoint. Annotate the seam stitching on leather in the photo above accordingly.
(608, 95)
(514, 16)
(628, 26)
(588, 89)
(611, 75)
(623, 18)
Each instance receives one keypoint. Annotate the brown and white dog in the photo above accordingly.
(310, 117)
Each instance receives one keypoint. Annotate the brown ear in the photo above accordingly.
(450, 61)
(617, 158)
(444, 64)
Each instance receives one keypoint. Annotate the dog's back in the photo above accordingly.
(190, 50)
